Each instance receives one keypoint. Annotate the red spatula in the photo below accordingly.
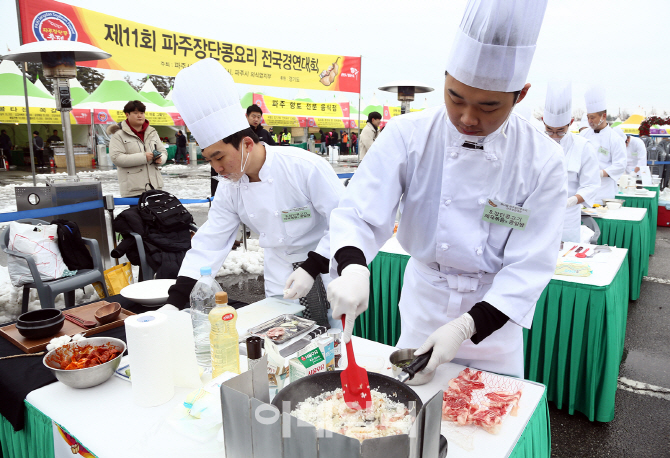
(355, 381)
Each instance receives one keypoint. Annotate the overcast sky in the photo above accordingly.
(621, 45)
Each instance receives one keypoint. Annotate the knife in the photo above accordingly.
(302, 343)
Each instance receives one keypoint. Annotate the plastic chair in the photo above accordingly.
(591, 223)
(48, 290)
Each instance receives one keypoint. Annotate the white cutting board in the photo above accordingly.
(262, 311)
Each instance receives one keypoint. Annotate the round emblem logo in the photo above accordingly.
(102, 116)
(52, 25)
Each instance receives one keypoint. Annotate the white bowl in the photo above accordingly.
(613, 205)
(150, 292)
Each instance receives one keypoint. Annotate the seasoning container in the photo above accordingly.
(336, 334)
(327, 346)
(254, 351)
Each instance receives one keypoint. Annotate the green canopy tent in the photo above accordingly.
(77, 92)
(150, 92)
(112, 95)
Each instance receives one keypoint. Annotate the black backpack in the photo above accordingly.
(72, 247)
(163, 211)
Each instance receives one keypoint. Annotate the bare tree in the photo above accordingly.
(577, 113)
(163, 84)
(133, 84)
(624, 114)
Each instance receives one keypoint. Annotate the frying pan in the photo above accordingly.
(314, 385)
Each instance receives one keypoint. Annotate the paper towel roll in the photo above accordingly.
(147, 336)
(184, 364)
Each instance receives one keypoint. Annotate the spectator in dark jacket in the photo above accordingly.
(38, 149)
(180, 155)
(254, 116)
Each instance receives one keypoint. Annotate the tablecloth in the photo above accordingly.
(597, 312)
(576, 343)
(381, 321)
(631, 233)
(651, 204)
(527, 435)
(171, 151)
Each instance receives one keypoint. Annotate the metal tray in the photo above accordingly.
(301, 325)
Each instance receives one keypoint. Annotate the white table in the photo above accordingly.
(622, 214)
(648, 194)
(604, 266)
(106, 421)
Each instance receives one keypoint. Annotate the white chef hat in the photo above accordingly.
(495, 43)
(595, 99)
(558, 104)
(207, 100)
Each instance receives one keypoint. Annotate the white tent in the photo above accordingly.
(40, 85)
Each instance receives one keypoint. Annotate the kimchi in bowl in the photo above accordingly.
(86, 363)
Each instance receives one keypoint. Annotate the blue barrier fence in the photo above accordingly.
(74, 208)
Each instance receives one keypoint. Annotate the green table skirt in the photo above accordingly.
(36, 439)
(634, 236)
(535, 441)
(381, 321)
(171, 151)
(576, 342)
(652, 214)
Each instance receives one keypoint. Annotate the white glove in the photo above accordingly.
(602, 174)
(446, 341)
(168, 308)
(572, 201)
(348, 295)
(298, 284)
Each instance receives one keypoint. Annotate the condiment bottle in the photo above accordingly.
(224, 337)
(254, 351)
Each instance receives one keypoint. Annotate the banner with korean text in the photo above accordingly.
(292, 113)
(142, 48)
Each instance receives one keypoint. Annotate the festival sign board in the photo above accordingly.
(143, 48)
(293, 113)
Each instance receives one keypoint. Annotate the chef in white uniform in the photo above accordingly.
(580, 157)
(483, 193)
(610, 148)
(636, 155)
(284, 194)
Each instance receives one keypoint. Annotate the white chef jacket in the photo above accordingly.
(444, 187)
(611, 153)
(291, 178)
(583, 179)
(636, 153)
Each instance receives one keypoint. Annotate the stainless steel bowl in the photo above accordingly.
(407, 354)
(90, 376)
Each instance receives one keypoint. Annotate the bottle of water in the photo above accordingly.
(203, 299)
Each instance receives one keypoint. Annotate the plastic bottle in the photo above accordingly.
(203, 299)
(224, 337)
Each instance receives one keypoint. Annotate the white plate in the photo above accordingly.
(150, 292)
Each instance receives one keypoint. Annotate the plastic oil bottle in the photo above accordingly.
(224, 337)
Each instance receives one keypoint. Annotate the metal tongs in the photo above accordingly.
(419, 364)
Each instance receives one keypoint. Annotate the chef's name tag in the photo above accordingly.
(602, 150)
(506, 215)
(295, 214)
